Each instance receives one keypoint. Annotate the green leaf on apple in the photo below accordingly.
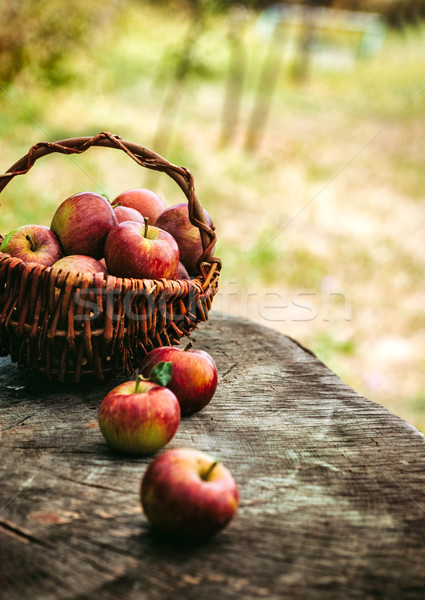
(161, 373)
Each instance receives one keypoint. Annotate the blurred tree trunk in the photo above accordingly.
(236, 76)
(177, 82)
(265, 88)
(304, 51)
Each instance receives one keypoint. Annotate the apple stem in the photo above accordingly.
(115, 204)
(210, 470)
(188, 347)
(138, 380)
(146, 219)
(29, 238)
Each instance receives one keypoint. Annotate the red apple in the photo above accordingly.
(194, 376)
(82, 223)
(125, 213)
(139, 417)
(135, 250)
(176, 221)
(189, 494)
(145, 201)
(79, 263)
(181, 272)
(32, 244)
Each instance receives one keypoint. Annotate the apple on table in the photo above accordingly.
(194, 376)
(141, 251)
(187, 493)
(32, 244)
(140, 417)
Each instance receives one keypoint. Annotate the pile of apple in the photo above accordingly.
(134, 236)
(183, 492)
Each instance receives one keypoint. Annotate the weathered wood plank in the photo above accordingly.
(332, 487)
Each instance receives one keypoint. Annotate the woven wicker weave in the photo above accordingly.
(65, 326)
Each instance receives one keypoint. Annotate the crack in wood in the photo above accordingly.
(17, 424)
(93, 485)
(229, 370)
(21, 534)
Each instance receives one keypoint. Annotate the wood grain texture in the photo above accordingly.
(332, 487)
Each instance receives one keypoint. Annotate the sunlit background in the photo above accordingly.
(304, 127)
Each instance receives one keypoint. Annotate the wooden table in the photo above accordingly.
(332, 488)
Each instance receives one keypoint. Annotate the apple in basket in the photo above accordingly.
(82, 223)
(143, 200)
(32, 244)
(186, 493)
(125, 213)
(76, 263)
(181, 272)
(79, 263)
(194, 377)
(140, 417)
(176, 221)
(141, 251)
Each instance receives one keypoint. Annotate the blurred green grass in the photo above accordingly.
(320, 229)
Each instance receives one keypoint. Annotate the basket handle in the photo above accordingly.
(142, 156)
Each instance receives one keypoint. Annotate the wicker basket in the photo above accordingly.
(69, 325)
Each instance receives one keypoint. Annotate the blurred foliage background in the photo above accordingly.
(306, 143)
